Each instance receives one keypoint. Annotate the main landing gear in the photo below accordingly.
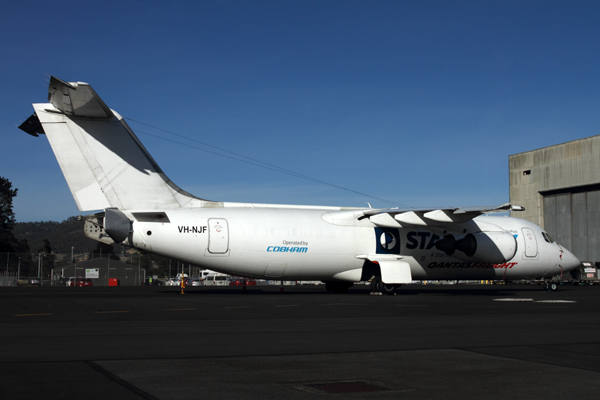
(549, 286)
(378, 287)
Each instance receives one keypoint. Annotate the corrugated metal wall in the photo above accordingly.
(573, 219)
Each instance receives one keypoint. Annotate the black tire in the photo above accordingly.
(388, 289)
(376, 285)
(553, 286)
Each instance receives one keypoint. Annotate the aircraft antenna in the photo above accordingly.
(252, 161)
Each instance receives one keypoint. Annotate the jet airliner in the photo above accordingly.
(111, 174)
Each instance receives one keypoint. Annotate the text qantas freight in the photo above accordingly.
(460, 264)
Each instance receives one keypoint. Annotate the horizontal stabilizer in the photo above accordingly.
(33, 126)
(77, 98)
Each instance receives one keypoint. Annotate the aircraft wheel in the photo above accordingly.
(376, 285)
(553, 286)
(388, 289)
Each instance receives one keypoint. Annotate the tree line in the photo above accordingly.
(34, 248)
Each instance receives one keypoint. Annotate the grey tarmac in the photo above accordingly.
(446, 342)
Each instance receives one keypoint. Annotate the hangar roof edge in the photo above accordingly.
(555, 145)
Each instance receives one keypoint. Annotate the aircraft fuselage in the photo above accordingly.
(308, 244)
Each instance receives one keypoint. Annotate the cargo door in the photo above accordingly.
(531, 247)
(218, 236)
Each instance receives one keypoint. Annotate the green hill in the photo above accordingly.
(62, 236)
(69, 234)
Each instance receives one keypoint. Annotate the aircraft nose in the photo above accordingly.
(568, 260)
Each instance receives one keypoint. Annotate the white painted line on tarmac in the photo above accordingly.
(513, 299)
(556, 301)
(535, 301)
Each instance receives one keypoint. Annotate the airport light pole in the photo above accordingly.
(74, 269)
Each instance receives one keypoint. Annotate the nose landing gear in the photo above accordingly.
(549, 286)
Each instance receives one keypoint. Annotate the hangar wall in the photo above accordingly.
(559, 186)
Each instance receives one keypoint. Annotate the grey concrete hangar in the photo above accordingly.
(559, 186)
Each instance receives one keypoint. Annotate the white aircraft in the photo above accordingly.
(107, 168)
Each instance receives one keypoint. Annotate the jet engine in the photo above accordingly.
(116, 225)
(489, 247)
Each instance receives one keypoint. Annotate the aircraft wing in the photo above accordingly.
(431, 218)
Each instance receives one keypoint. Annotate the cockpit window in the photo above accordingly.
(547, 237)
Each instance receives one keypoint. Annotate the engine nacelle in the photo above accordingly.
(116, 225)
(489, 247)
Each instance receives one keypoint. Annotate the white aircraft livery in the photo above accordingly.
(107, 168)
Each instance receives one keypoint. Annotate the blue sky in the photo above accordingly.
(418, 102)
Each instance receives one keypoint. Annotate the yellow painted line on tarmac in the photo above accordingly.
(31, 315)
(180, 309)
(110, 312)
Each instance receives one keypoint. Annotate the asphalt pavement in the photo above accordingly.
(444, 342)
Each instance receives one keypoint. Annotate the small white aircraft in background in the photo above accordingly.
(107, 168)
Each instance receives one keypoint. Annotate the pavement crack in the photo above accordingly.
(132, 388)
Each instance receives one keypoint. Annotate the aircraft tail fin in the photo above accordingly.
(104, 163)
